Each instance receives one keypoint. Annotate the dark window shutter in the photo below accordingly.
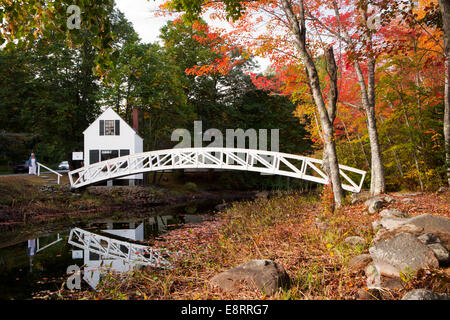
(102, 127)
(117, 129)
(94, 156)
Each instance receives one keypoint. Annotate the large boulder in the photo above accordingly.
(389, 223)
(385, 234)
(266, 275)
(431, 223)
(422, 294)
(401, 253)
(437, 225)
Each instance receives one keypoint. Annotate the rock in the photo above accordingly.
(392, 223)
(360, 262)
(442, 189)
(440, 252)
(373, 280)
(389, 199)
(262, 195)
(408, 200)
(402, 253)
(422, 294)
(355, 241)
(374, 205)
(429, 238)
(222, 206)
(376, 225)
(357, 197)
(392, 284)
(385, 234)
(431, 223)
(393, 213)
(321, 225)
(410, 194)
(368, 294)
(266, 275)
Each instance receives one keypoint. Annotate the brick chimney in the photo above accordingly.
(136, 119)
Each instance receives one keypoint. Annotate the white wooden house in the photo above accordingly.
(109, 136)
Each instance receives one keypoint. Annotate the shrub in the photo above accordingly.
(190, 186)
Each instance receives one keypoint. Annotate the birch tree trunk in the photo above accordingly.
(445, 11)
(378, 183)
(326, 116)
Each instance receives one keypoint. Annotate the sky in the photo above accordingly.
(141, 14)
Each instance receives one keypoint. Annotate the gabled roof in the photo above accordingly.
(126, 123)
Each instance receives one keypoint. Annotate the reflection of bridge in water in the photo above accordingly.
(267, 162)
(102, 254)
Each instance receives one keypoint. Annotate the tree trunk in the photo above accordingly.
(378, 184)
(355, 162)
(445, 11)
(298, 27)
(362, 149)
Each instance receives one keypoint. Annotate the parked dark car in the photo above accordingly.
(20, 167)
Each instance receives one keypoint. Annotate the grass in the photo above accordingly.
(285, 229)
(282, 229)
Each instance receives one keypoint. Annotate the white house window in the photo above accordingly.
(109, 127)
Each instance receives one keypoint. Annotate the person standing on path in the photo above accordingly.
(32, 164)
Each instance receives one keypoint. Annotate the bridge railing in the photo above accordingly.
(58, 175)
(266, 162)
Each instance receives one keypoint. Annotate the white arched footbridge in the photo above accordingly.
(267, 162)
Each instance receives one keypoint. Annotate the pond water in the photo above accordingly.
(40, 264)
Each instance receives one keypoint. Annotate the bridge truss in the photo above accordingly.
(267, 162)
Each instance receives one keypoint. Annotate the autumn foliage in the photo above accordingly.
(406, 42)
